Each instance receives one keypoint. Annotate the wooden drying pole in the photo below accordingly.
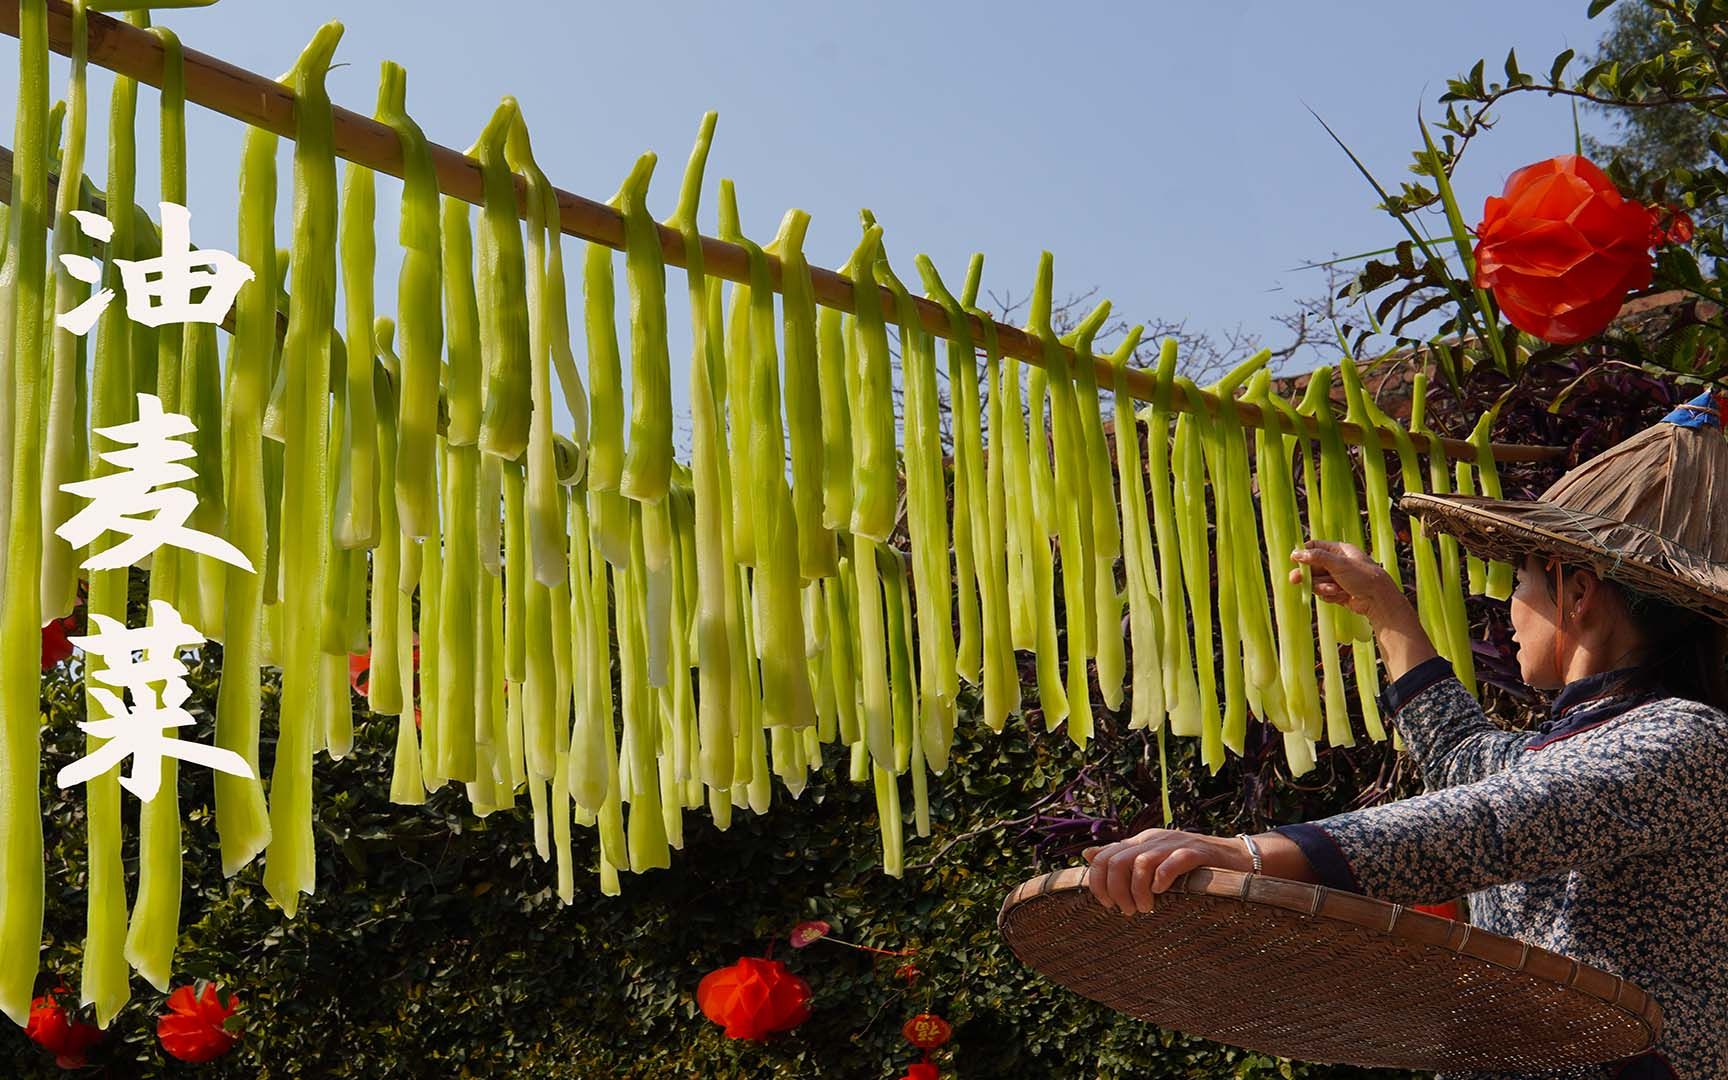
(265, 103)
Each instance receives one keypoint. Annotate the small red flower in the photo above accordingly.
(196, 1027)
(809, 933)
(68, 1040)
(754, 998)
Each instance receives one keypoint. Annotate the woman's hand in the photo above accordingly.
(1127, 874)
(1346, 575)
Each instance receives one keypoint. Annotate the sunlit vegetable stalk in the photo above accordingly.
(418, 311)
(242, 817)
(63, 445)
(504, 425)
(648, 463)
(1189, 491)
(993, 558)
(817, 552)
(21, 901)
(1181, 690)
(545, 522)
(874, 477)
(927, 525)
(1072, 512)
(786, 699)
(1106, 531)
(1139, 562)
(357, 524)
(1036, 504)
(290, 868)
(969, 501)
(154, 929)
(104, 978)
(1457, 623)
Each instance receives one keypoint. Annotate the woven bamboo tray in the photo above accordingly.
(1313, 974)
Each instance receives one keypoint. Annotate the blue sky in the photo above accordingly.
(1162, 151)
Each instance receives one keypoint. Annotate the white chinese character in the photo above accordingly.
(81, 318)
(137, 731)
(159, 290)
(148, 464)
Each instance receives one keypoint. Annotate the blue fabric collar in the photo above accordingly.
(1589, 701)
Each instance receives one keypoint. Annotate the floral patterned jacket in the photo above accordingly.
(1598, 836)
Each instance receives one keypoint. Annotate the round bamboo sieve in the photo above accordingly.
(1310, 973)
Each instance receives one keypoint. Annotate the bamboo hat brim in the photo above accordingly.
(1650, 512)
(1643, 560)
(1318, 975)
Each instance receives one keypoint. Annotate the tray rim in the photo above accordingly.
(1375, 916)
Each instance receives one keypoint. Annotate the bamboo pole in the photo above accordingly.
(262, 102)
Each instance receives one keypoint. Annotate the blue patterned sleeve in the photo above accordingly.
(1646, 782)
(1445, 730)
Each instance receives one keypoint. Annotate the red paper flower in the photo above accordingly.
(68, 1040)
(196, 1027)
(1673, 226)
(926, 1031)
(754, 998)
(809, 933)
(1561, 248)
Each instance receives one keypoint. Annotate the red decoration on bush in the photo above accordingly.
(809, 933)
(68, 1040)
(927, 1031)
(1673, 227)
(754, 998)
(1561, 248)
(197, 1027)
(360, 674)
(921, 1070)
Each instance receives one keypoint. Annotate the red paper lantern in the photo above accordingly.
(68, 1040)
(1561, 248)
(927, 1031)
(921, 1070)
(55, 646)
(754, 998)
(196, 1027)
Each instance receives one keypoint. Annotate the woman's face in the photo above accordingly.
(1533, 626)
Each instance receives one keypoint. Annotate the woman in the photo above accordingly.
(1599, 835)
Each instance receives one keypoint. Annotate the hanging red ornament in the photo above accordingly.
(1561, 248)
(921, 1070)
(68, 1040)
(754, 998)
(927, 1031)
(809, 933)
(907, 972)
(197, 1028)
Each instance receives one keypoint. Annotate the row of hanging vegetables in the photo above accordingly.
(579, 615)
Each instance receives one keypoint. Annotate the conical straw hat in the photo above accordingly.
(1650, 513)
